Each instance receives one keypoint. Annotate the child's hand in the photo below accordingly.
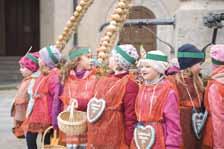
(75, 102)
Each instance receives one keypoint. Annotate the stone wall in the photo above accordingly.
(189, 22)
(46, 22)
(88, 33)
(188, 15)
(190, 27)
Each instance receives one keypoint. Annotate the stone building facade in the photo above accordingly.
(53, 15)
(37, 23)
(188, 16)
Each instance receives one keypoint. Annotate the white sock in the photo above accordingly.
(69, 146)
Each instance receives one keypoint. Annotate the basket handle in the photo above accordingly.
(44, 135)
(74, 105)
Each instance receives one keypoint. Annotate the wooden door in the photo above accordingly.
(2, 27)
(22, 26)
(138, 35)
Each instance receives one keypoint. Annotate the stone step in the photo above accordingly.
(9, 73)
(12, 76)
(10, 57)
(9, 62)
(9, 79)
(9, 69)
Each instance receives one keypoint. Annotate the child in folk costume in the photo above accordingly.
(28, 66)
(46, 92)
(111, 113)
(156, 106)
(214, 103)
(190, 89)
(79, 84)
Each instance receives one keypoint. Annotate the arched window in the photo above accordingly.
(137, 35)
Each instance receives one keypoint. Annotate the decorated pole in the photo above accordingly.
(73, 23)
(108, 40)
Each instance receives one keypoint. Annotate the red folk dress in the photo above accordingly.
(214, 103)
(43, 114)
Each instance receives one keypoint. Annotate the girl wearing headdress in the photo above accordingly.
(214, 128)
(110, 112)
(79, 81)
(28, 68)
(45, 95)
(190, 89)
(156, 106)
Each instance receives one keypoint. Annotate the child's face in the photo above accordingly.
(195, 69)
(24, 71)
(85, 62)
(147, 72)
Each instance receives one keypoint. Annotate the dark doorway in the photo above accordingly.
(22, 26)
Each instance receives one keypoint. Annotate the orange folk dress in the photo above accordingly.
(186, 107)
(163, 114)
(81, 89)
(108, 132)
(19, 108)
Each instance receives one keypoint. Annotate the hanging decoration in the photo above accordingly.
(117, 20)
(73, 23)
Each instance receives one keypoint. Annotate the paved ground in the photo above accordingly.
(7, 140)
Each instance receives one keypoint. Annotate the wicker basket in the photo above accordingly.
(52, 145)
(72, 122)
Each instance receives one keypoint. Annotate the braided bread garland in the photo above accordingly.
(117, 21)
(73, 23)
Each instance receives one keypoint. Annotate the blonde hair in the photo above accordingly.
(67, 67)
(197, 81)
(44, 70)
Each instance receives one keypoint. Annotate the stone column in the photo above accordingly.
(46, 22)
(53, 17)
(62, 12)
